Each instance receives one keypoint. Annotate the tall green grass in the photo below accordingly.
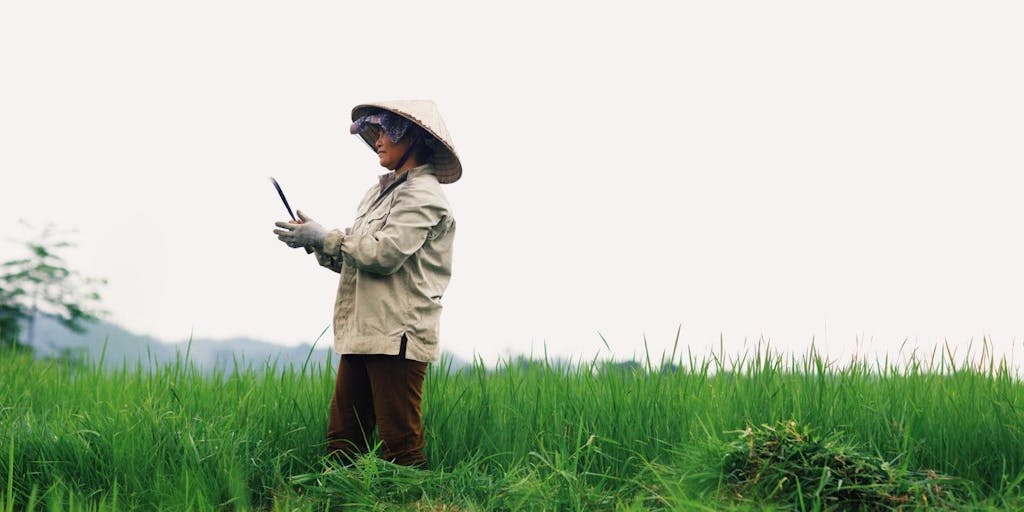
(531, 435)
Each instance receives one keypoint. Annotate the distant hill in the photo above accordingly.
(126, 347)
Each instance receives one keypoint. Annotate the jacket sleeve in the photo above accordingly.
(418, 213)
(329, 256)
(329, 260)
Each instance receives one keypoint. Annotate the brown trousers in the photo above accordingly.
(378, 391)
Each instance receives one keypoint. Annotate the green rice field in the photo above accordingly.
(760, 431)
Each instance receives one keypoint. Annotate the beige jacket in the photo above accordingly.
(395, 263)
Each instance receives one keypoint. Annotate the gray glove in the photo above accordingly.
(304, 233)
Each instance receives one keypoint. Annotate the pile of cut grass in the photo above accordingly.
(789, 463)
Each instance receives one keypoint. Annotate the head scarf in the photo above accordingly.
(394, 125)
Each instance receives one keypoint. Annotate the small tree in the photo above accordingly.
(42, 283)
(10, 317)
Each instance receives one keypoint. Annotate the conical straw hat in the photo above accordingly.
(424, 113)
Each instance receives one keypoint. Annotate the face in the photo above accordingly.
(391, 152)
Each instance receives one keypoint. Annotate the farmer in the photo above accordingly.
(395, 262)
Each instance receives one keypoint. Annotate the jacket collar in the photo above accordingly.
(389, 180)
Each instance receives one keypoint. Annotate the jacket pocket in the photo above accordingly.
(375, 220)
(375, 216)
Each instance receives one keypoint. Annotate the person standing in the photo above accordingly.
(395, 262)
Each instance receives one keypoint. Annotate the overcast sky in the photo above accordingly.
(843, 172)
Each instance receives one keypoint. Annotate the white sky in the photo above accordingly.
(848, 172)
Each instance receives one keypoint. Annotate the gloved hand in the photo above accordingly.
(304, 233)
